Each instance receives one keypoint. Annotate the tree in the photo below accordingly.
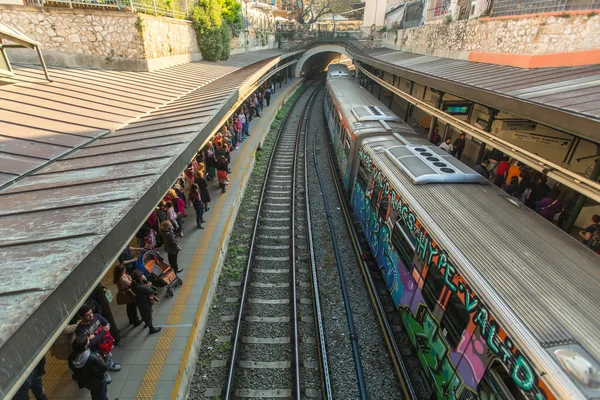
(309, 11)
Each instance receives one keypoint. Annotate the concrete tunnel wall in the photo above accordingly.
(326, 48)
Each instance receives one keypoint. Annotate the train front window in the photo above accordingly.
(455, 321)
(402, 245)
(497, 384)
(434, 284)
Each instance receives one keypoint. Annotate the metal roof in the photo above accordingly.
(567, 98)
(122, 139)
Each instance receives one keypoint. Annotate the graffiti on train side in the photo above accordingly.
(338, 146)
(483, 340)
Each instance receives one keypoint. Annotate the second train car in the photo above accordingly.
(498, 302)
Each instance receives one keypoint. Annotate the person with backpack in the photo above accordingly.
(88, 368)
(268, 96)
(591, 234)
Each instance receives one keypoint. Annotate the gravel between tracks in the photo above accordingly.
(379, 374)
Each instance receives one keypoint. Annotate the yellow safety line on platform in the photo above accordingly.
(213, 267)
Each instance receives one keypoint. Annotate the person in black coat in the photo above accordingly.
(459, 146)
(200, 180)
(144, 298)
(99, 296)
(89, 369)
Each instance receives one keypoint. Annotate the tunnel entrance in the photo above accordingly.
(317, 60)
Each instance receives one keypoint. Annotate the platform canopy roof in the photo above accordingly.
(565, 98)
(83, 161)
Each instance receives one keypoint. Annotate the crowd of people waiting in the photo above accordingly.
(86, 343)
(533, 188)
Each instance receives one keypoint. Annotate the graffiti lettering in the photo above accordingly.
(427, 336)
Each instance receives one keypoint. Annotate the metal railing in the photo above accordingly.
(151, 7)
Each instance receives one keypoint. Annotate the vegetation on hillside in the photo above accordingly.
(214, 20)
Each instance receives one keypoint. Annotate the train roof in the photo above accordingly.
(361, 110)
(530, 269)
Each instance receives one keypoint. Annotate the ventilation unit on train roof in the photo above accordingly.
(430, 164)
(373, 113)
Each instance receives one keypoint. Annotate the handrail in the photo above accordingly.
(579, 183)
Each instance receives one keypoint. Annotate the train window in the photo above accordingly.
(403, 246)
(375, 195)
(432, 289)
(383, 208)
(455, 321)
(497, 384)
(347, 144)
(363, 176)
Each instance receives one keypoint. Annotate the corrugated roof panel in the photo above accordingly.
(541, 88)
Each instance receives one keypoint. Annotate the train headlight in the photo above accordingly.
(579, 368)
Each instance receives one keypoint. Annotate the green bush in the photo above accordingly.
(214, 20)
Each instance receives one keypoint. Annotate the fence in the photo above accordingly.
(168, 8)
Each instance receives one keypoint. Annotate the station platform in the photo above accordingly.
(160, 366)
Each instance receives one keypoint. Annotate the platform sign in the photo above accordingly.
(456, 108)
(540, 139)
(519, 125)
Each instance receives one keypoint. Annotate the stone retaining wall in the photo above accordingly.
(112, 39)
(528, 35)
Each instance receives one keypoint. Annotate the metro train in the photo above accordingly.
(498, 302)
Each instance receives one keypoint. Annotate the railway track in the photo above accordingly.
(408, 369)
(277, 348)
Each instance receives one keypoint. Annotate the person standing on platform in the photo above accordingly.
(127, 257)
(34, 383)
(242, 119)
(170, 244)
(145, 297)
(125, 294)
(549, 206)
(459, 146)
(268, 96)
(500, 171)
(97, 329)
(89, 369)
(198, 206)
(591, 234)
(222, 173)
(513, 171)
(99, 295)
(482, 169)
(495, 156)
(436, 139)
(200, 180)
(447, 145)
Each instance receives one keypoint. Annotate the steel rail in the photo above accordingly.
(350, 320)
(318, 316)
(579, 183)
(238, 324)
(388, 333)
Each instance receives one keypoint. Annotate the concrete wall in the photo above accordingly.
(520, 35)
(113, 39)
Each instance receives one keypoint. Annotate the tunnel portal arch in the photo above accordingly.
(325, 48)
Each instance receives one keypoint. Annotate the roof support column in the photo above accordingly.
(408, 104)
(434, 120)
(488, 128)
(581, 200)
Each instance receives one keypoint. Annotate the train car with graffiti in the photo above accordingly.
(498, 302)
